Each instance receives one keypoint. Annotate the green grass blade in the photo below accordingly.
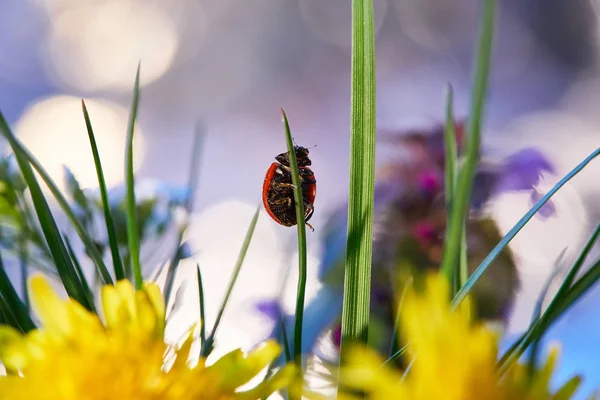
(110, 226)
(464, 185)
(132, 227)
(22, 153)
(463, 272)
(87, 290)
(397, 354)
(450, 149)
(14, 308)
(566, 296)
(578, 263)
(202, 308)
(478, 273)
(537, 311)
(7, 316)
(24, 267)
(299, 202)
(56, 246)
(451, 157)
(207, 346)
(194, 172)
(359, 249)
(395, 337)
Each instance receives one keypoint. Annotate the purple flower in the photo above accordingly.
(521, 171)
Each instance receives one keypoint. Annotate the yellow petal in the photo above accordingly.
(10, 348)
(282, 378)
(51, 309)
(156, 299)
(237, 370)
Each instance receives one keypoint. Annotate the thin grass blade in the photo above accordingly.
(450, 149)
(464, 185)
(299, 202)
(110, 225)
(194, 172)
(566, 296)
(132, 227)
(537, 311)
(56, 246)
(207, 346)
(359, 249)
(15, 309)
(22, 153)
(24, 267)
(478, 273)
(578, 263)
(395, 337)
(397, 354)
(80, 274)
(202, 308)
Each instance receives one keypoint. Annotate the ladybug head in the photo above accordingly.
(301, 157)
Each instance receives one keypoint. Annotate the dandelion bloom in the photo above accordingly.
(76, 355)
(450, 357)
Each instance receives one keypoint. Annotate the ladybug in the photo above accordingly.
(278, 190)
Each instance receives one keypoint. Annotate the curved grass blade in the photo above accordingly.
(359, 249)
(451, 157)
(13, 308)
(24, 267)
(478, 273)
(192, 186)
(132, 227)
(23, 155)
(395, 337)
(397, 354)
(89, 294)
(56, 246)
(299, 203)
(201, 300)
(450, 149)
(464, 184)
(537, 311)
(578, 263)
(110, 226)
(566, 296)
(207, 346)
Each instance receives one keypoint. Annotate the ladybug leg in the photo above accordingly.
(309, 209)
(281, 201)
(307, 176)
(281, 186)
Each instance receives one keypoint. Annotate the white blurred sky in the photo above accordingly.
(233, 65)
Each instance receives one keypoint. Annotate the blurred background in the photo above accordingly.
(231, 65)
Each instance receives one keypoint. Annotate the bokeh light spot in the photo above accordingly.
(54, 131)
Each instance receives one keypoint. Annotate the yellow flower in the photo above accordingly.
(75, 355)
(450, 357)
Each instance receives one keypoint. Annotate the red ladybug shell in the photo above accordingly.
(309, 190)
(265, 189)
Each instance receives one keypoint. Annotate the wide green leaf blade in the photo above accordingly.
(359, 249)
